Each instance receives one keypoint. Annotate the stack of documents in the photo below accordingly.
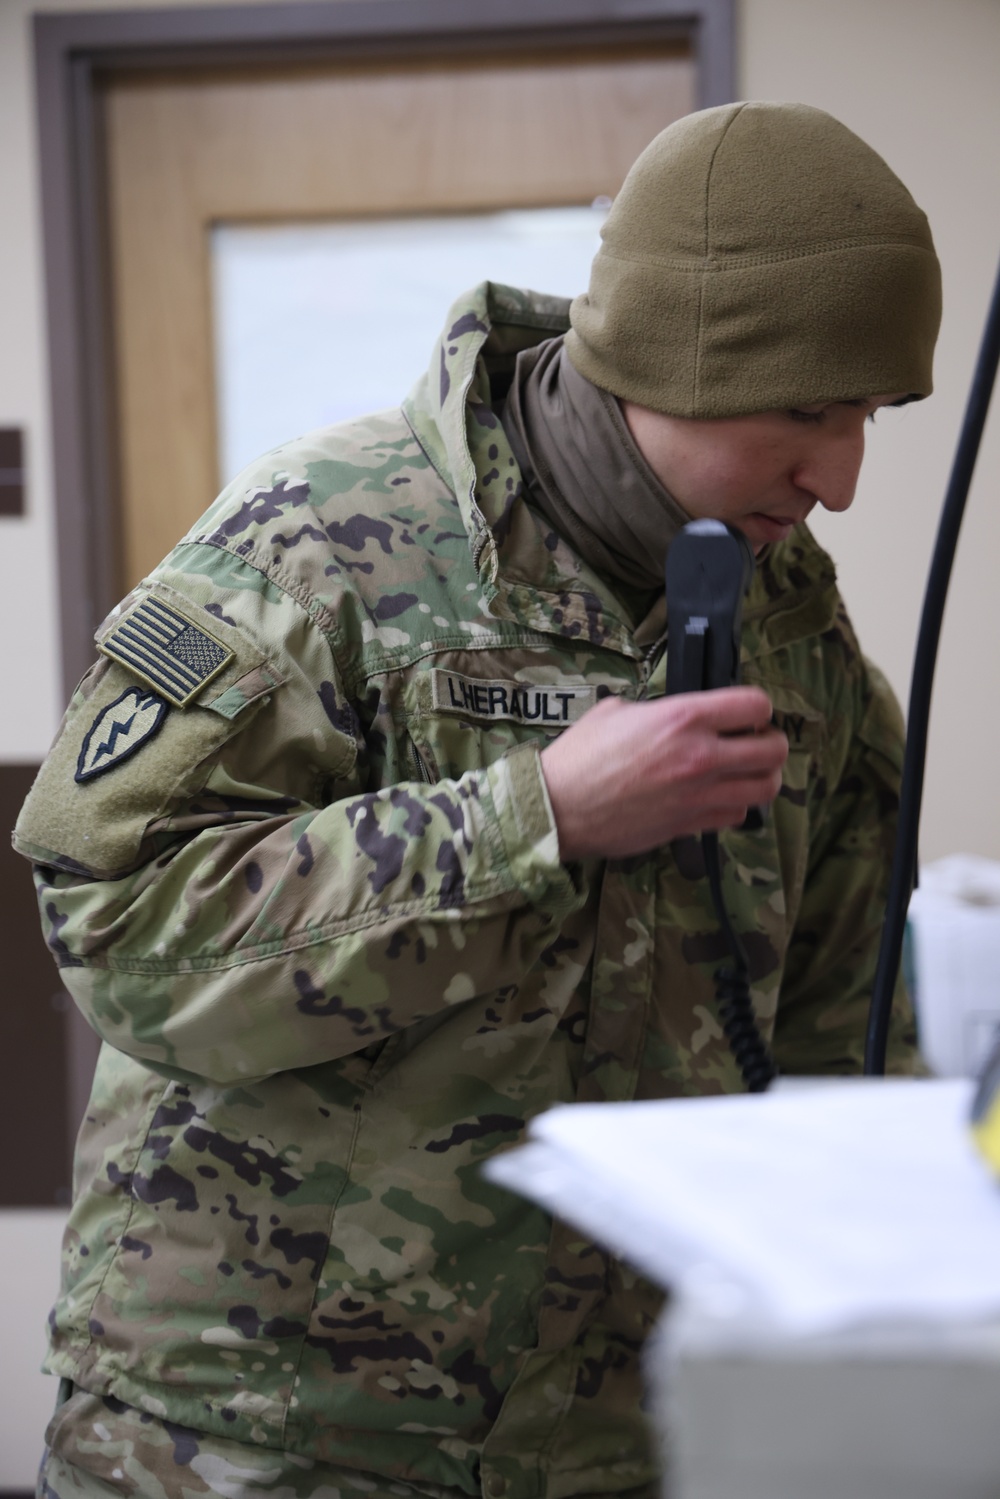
(805, 1211)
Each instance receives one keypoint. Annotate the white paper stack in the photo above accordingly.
(803, 1211)
(954, 919)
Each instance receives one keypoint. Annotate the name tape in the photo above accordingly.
(554, 706)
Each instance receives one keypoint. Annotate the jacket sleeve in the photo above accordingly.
(830, 969)
(230, 901)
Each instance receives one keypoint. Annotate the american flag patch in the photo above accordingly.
(161, 647)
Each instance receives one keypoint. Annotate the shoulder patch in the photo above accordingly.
(165, 649)
(120, 729)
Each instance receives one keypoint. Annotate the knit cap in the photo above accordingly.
(759, 256)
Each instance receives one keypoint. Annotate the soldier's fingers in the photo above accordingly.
(728, 710)
(727, 814)
(756, 754)
(744, 790)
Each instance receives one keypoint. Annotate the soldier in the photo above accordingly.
(371, 834)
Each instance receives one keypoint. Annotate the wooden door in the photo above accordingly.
(189, 150)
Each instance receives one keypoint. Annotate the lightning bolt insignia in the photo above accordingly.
(121, 728)
(117, 730)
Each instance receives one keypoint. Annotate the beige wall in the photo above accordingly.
(27, 599)
(29, 1275)
(915, 77)
(918, 79)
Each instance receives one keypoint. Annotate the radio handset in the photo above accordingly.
(709, 568)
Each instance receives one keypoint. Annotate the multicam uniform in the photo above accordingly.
(318, 915)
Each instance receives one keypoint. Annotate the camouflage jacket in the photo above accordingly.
(297, 864)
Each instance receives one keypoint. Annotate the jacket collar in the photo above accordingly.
(530, 576)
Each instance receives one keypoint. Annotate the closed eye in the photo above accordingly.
(805, 416)
(798, 415)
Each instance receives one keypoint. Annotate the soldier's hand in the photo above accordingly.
(628, 777)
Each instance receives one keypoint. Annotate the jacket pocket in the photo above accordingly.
(232, 1197)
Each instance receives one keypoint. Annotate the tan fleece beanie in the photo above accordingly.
(759, 256)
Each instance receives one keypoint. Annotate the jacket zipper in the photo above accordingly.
(650, 662)
(422, 772)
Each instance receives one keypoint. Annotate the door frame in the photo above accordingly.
(74, 50)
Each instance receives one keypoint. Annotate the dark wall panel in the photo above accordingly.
(34, 1123)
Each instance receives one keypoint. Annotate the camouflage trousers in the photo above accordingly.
(97, 1447)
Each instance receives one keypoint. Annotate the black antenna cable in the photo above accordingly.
(904, 862)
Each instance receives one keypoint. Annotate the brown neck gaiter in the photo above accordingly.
(584, 472)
